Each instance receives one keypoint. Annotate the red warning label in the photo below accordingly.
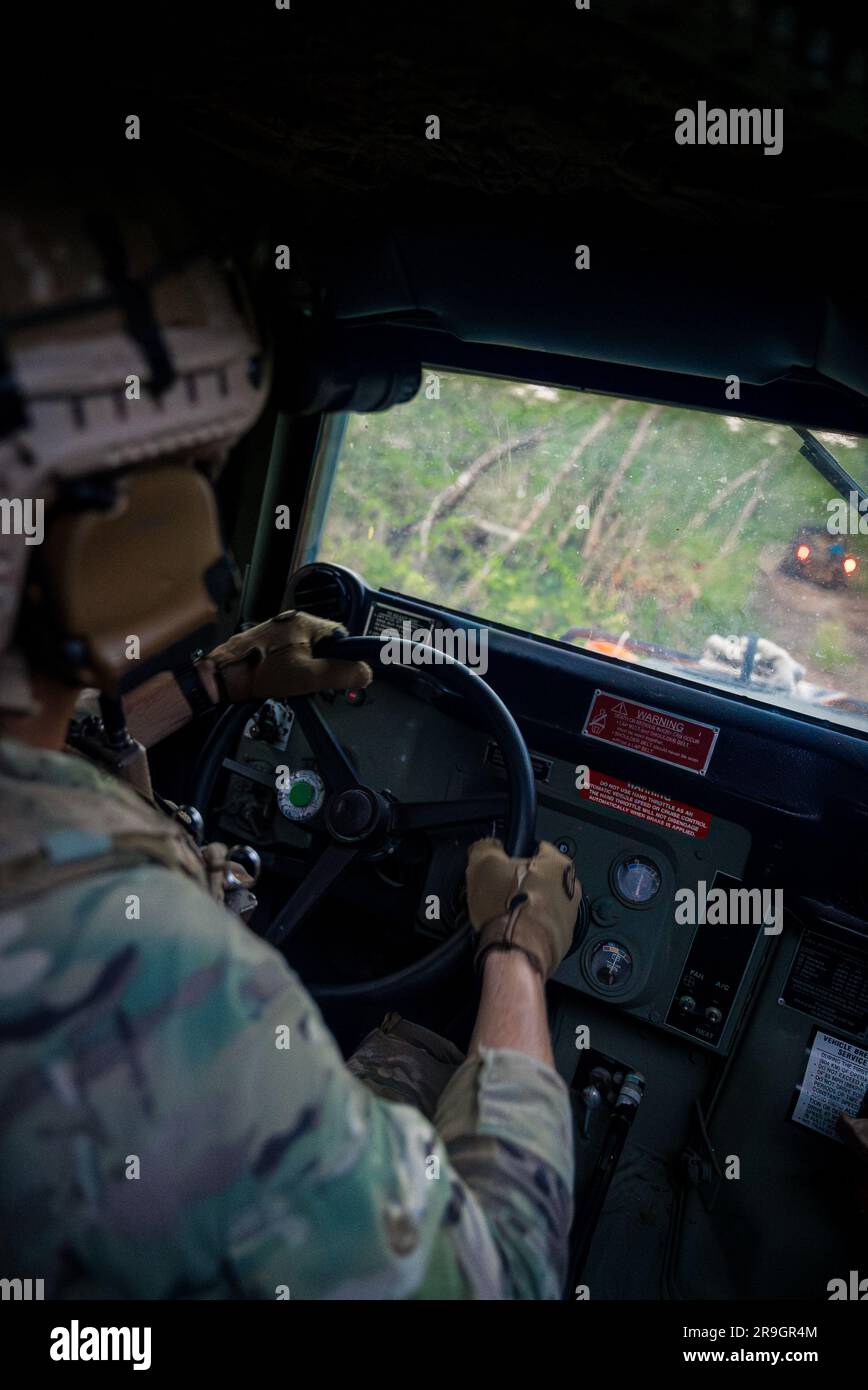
(646, 805)
(655, 733)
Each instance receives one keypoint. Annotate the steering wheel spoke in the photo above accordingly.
(334, 764)
(325, 872)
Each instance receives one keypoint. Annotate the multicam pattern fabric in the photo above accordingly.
(177, 1122)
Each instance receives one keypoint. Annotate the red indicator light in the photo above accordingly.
(803, 553)
(850, 564)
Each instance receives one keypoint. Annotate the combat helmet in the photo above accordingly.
(130, 362)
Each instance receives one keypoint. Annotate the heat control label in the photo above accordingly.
(835, 1082)
(646, 805)
(655, 733)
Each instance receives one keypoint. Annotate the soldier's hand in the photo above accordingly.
(527, 905)
(275, 661)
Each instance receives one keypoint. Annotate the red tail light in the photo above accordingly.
(851, 564)
(803, 553)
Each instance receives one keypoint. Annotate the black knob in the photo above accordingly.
(192, 821)
(265, 725)
(246, 857)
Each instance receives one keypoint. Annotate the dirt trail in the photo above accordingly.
(796, 612)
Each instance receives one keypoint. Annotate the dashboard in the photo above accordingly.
(713, 800)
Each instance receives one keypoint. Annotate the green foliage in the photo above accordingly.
(690, 513)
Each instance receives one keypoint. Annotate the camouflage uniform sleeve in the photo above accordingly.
(352, 1196)
(180, 1123)
(506, 1123)
(344, 1195)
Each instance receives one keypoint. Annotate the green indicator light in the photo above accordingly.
(301, 794)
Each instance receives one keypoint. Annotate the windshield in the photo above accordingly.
(699, 544)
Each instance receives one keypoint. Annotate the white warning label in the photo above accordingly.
(835, 1082)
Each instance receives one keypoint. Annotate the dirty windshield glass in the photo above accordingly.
(699, 544)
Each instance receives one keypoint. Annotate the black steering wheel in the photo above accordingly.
(359, 821)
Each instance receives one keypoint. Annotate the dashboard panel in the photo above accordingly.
(629, 951)
(779, 807)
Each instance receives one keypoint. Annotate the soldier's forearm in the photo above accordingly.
(512, 1009)
(159, 707)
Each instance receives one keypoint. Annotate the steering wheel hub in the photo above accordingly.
(354, 815)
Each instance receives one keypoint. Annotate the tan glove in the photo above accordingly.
(527, 905)
(274, 661)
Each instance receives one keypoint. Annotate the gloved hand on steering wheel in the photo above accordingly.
(527, 905)
(275, 661)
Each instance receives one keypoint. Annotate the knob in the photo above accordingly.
(246, 857)
(265, 725)
(687, 1004)
(591, 1097)
(713, 1014)
(605, 911)
(192, 821)
(592, 1101)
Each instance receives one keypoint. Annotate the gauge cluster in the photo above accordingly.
(682, 976)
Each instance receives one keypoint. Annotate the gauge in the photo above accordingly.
(302, 795)
(636, 880)
(611, 965)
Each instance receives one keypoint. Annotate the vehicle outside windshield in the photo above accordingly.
(699, 544)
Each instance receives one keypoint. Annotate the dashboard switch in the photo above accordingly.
(687, 1004)
(605, 911)
(302, 796)
(714, 1014)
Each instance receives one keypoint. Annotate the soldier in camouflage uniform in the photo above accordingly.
(175, 1119)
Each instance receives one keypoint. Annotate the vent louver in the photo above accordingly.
(323, 593)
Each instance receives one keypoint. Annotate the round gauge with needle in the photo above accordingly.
(636, 880)
(610, 965)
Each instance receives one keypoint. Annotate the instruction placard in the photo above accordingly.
(835, 1082)
(638, 801)
(655, 733)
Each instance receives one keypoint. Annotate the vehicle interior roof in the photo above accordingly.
(557, 130)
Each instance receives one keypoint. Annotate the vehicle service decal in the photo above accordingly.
(834, 1082)
(646, 805)
(652, 732)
